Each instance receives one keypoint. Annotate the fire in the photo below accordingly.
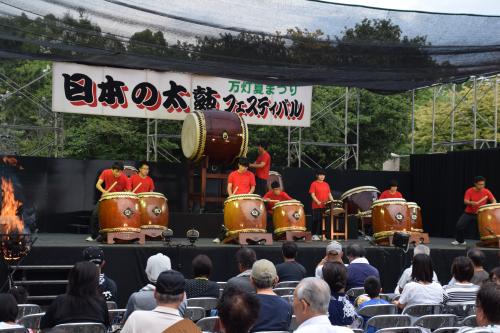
(8, 214)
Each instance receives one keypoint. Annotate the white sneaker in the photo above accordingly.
(458, 243)
(89, 239)
(216, 240)
(315, 238)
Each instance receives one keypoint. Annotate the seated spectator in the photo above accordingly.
(144, 299)
(245, 257)
(422, 290)
(20, 294)
(495, 275)
(169, 295)
(290, 269)
(83, 301)
(487, 309)
(359, 268)
(107, 286)
(311, 301)
(463, 290)
(237, 310)
(333, 254)
(406, 276)
(8, 312)
(201, 286)
(275, 313)
(373, 289)
(480, 274)
(341, 311)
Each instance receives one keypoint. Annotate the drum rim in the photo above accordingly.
(153, 226)
(243, 197)
(121, 229)
(114, 195)
(412, 204)
(244, 139)
(488, 206)
(232, 232)
(274, 173)
(151, 195)
(380, 202)
(198, 133)
(289, 228)
(355, 190)
(288, 203)
(387, 233)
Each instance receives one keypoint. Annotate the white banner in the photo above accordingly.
(122, 92)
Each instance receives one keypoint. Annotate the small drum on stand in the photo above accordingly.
(244, 213)
(154, 213)
(334, 206)
(275, 177)
(359, 201)
(388, 216)
(288, 215)
(129, 170)
(333, 209)
(119, 216)
(415, 217)
(488, 217)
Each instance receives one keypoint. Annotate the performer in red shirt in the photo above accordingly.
(114, 181)
(320, 193)
(262, 166)
(272, 197)
(241, 181)
(474, 198)
(392, 192)
(141, 182)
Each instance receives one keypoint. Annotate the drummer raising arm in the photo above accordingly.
(392, 192)
(262, 166)
(474, 198)
(320, 193)
(241, 181)
(141, 182)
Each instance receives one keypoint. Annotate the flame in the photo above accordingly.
(8, 214)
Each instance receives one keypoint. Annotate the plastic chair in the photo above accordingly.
(434, 322)
(14, 330)
(83, 328)
(207, 303)
(460, 310)
(287, 284)
(447, 330)
(419, 310)
(194, 313)
(293, 324)
(409, 329)
(386, 321)
(470, 321)
(27, 309)
(111, 305)
(283, 291)
(353, 293)
(377, 310)
(31, 321)
(288, 298)
(208, 324)
(116, 316)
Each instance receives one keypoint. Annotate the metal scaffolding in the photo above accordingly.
(155, 143)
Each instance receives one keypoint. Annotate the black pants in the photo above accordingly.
(94, 222)
(269, 223)
(261, 186)
(316, 225)
(463, 222)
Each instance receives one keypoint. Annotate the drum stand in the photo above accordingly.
(335, 219)
(201, 196)
(125, 236)
(493, 242)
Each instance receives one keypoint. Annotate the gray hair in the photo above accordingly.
(316, 293)
(421, 249)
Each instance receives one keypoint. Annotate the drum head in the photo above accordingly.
(190, 136)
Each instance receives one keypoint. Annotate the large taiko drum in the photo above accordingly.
(154, 210)
(289, 215)
(244, 213)
(119, 212)
(360, 199)
(275, 177)
(221, 136)
(415, 217)
(388, 216)
(488, 217)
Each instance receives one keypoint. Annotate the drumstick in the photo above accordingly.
(235, 190)
(135, 189)
(111, 187)
(484, 198)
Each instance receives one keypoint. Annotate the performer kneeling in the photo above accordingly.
(320, 193)
(474, 198)
(392, 192)
(272, 197)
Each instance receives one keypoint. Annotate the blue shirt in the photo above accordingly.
(275, 314)
(340, 311)
(357, 272)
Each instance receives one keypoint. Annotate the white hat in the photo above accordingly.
(157, 264)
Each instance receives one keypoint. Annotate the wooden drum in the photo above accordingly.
(275, 177)
(289, 215)
(415, 217)
(221, 136)
(244, 213)
(119, 212)
(388, 216)
(154, 210)
(360, 199)
(488, 217)
(335, 206)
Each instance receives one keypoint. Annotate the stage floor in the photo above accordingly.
(125, 263)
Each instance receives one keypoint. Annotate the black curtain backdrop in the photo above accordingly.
(439, 182)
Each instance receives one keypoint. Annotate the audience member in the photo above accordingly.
(422, 290)
(373, 288)
(290, 269)
(341, 311)
(275, 313)
(480, 274)
(201, 286)
(406, 276)
(495, 275)
(144, 299)
(8, 312)
(82, 302)
(238, 310)
(169, 295)
(20, 294)
(310, 306)
(245, 257)
(487, 309)
(463, 290)
(333, 254)
(106, 285)
(359, 268)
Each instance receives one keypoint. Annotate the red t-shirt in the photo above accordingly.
(322, 191)
(271, 196)
(473, 195)
(244, 181)
(147, 184)
(122, 183)
(388, 195)
(263, 173)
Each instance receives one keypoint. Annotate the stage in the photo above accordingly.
(125, 263)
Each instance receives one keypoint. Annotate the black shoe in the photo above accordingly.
(99, 238)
